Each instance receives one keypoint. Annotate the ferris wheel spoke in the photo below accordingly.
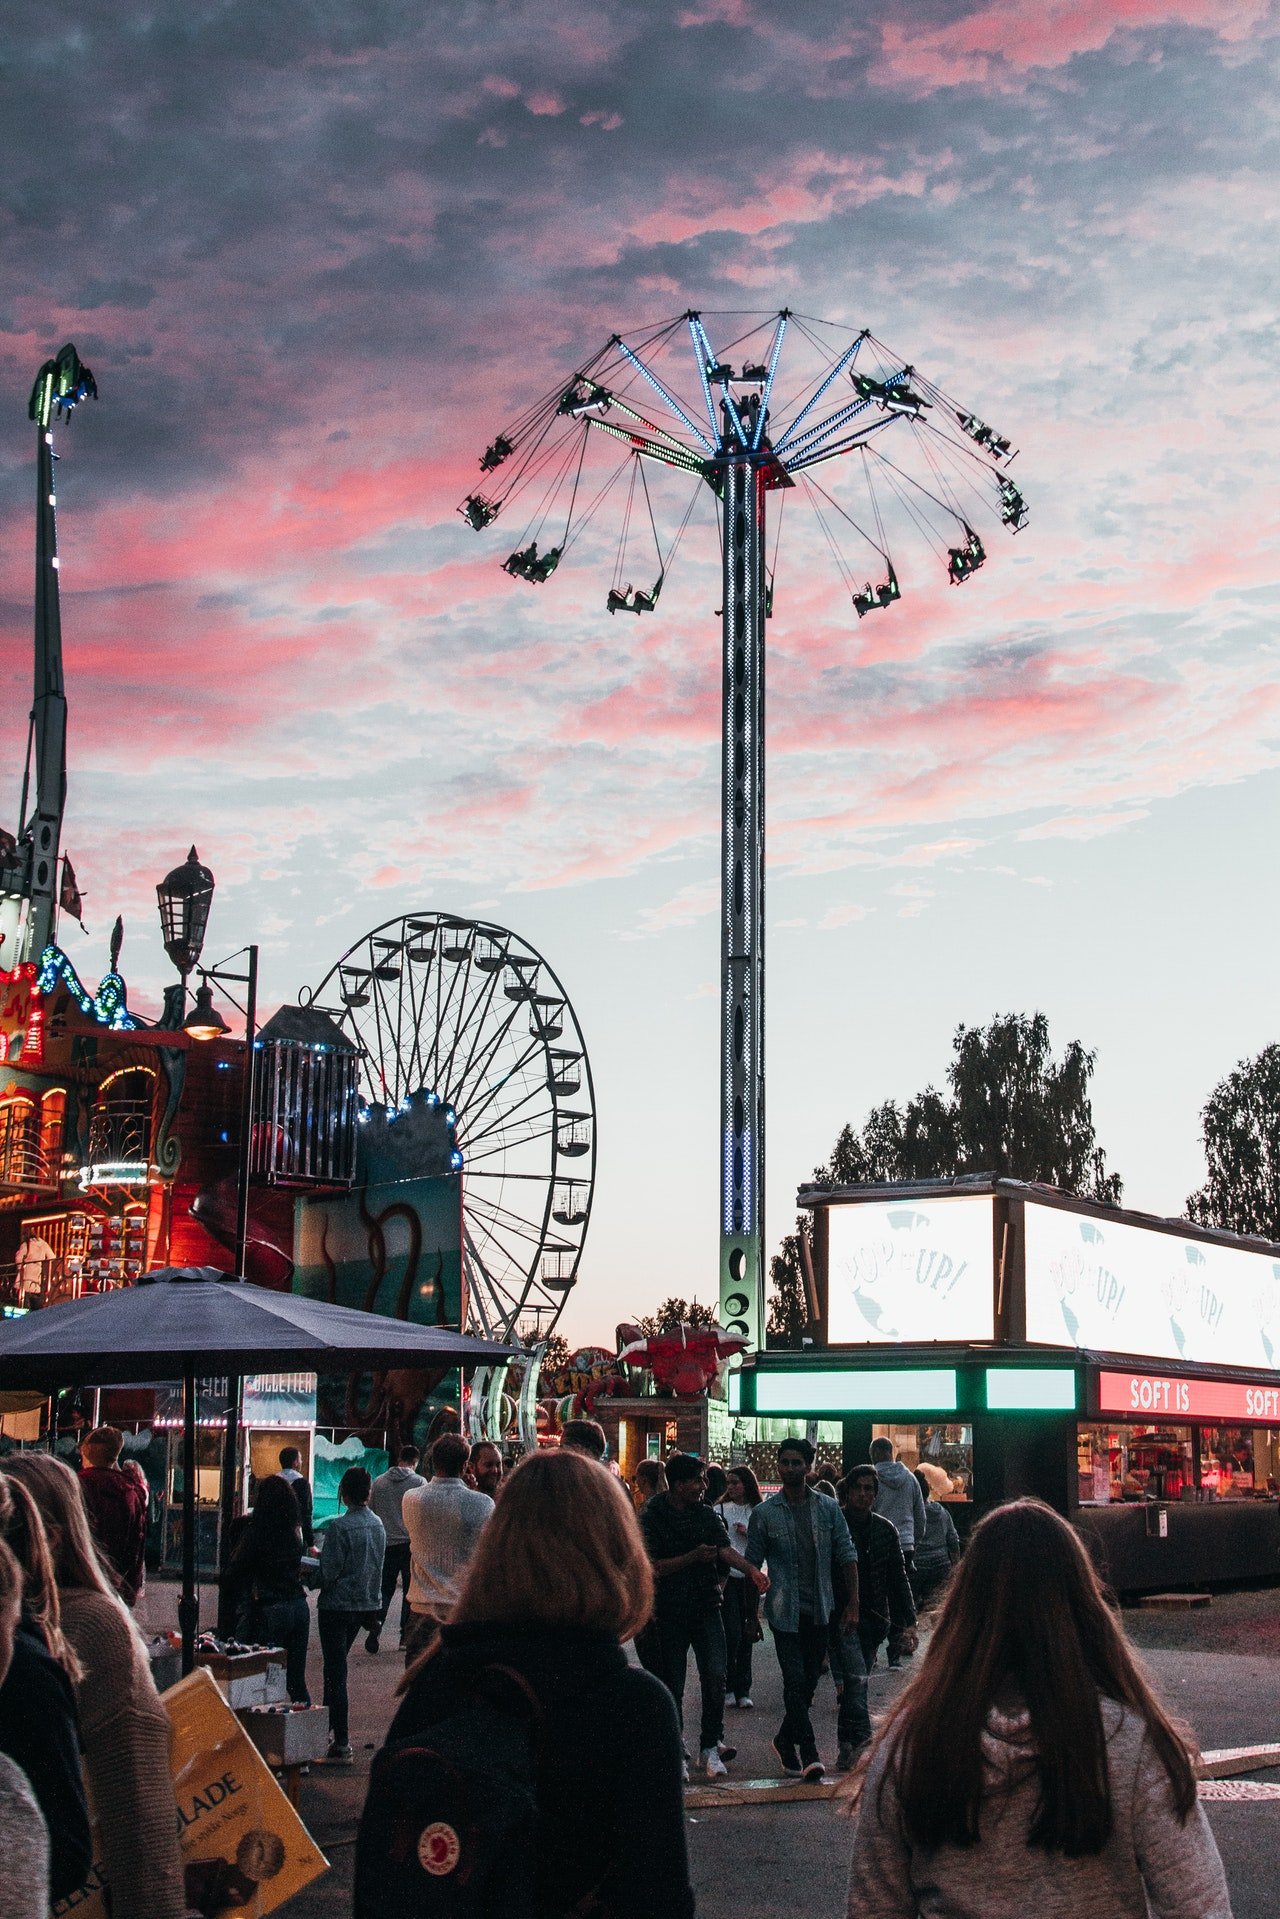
(499, 1086)
(479, 1013)
(517, 1128)
(501, 1146)
(511, 1222)
(517, 1257)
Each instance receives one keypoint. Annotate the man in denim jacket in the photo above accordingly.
(804, 1537)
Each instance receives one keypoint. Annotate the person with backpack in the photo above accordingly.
(531, 1770)
(1029, 1767)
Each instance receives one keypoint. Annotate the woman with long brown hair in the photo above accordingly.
(558, 1581)
(39, 1729)
(1029, 1767)
(124, 1726)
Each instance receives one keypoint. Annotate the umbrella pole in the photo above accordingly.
(188, 1605)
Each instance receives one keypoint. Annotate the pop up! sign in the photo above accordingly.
(1156, 1396)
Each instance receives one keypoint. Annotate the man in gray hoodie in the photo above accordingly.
(899, 1498)
(387, 1501)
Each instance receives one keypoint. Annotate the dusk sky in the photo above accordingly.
(317, 254)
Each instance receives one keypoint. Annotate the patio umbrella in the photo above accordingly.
(196, 1321)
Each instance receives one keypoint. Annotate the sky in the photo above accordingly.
(317, 255)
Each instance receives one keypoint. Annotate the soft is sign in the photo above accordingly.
(1160, 1396)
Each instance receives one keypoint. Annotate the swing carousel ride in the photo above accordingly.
(903, 464)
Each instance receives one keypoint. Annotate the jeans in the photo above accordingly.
(287, 1623)
(395, 1571)
(705, 1634)
(737, 1612)
(337, 1635)
(850, 1664)
(800, 1656)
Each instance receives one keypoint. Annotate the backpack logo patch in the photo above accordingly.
(439, 1849)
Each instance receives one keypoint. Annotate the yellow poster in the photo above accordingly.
(244, 1849)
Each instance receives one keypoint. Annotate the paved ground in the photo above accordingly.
(1219, 1668)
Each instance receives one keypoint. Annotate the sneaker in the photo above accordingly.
(731, 1699)
(339, 1755)
(895, 1664)
(372, 1643)
(847, 1757)
(745, 1702)
(684, 1771)
(813, 1769)
(788, 1755)
(714, 1765)
(727, 1752)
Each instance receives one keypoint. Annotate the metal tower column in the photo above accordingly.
(742, 893)
(48, 710)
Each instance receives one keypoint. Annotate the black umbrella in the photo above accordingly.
(195, 1320)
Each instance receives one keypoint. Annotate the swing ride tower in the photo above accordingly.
(737, 440)
(29, 877)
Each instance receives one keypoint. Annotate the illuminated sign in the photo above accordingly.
(1153, 1396)
(1108, 1287)
(21, 1017)
(911, 1271)
(902, 1389)
(1025, 1389)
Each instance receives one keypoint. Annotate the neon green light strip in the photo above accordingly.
(900, 1389)
(1031, 1389)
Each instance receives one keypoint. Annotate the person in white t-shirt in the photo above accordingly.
(741, 1495)
(444, 1520)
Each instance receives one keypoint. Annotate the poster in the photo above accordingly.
(911, 1271)
(244, 1848)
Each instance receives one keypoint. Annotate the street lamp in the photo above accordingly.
(204, 1022)
(185, 896)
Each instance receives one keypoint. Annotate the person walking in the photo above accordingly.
(24, 1836)
(123, 1724)
(741, 1497)
(1029, 1767)
(558, 1580)
(648, 1478)
(487, 1468)
(803, 1536)
(688, 1546)
(899, 1500)
(291, 1469)
(386, 1500)
(937, 1549)
(585, 1436)
(886, 1609)
(117, 1507)
(265, 1574)
(444, 1520)
(351, 1555)
(39, 1725)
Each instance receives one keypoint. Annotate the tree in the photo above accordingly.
(788, 1303)
(1240, 1126)
(1014, 1111)
(674, 1313)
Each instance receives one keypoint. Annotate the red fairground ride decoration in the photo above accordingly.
(688, 1361)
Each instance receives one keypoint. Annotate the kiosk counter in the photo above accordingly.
(1012, 1339)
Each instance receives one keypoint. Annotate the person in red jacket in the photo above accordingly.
(116, 1502)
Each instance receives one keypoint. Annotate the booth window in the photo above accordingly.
(944, 1454)
(1235, 1462)
(1134, 1462)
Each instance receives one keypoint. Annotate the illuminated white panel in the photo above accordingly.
(911, 1271)
(1108, 1287)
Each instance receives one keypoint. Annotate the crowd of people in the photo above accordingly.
(546, 1618)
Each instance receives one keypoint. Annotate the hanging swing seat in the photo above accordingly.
(528, 564)
(478, 513)
(873, 597)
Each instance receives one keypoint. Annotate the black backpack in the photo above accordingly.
(449, 1829)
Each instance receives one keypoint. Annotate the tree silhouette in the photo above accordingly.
(1240, 1126)
(1012, 1110)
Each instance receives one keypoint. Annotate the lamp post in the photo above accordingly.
(185, 896)
(205, 1022)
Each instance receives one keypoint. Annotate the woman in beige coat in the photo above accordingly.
(123, 1724)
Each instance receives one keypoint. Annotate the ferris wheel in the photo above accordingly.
(468, 1013)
